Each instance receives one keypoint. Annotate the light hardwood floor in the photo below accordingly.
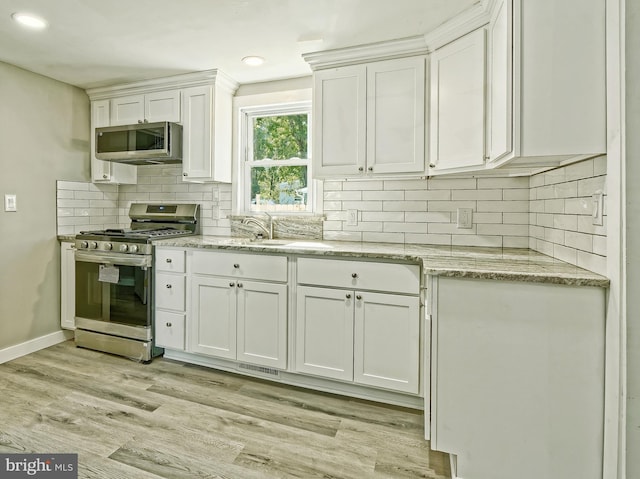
(172, 420)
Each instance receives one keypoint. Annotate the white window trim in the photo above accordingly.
(246, 114)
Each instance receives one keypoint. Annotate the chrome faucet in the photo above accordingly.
(253, 221)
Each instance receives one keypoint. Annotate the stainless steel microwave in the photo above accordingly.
(140, 143)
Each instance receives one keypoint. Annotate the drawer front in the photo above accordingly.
(171, 260)
(170, 291)
(169, 329)
(239, 265)
(397, 278)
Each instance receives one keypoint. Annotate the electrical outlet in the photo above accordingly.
(465, 218)
(10, 203)
(352, 217)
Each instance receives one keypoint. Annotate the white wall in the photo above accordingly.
(44, 133)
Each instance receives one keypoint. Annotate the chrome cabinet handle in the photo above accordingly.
(358, 297)
(168, 325)
(370, 168)
(105, 176)
(239, 285)
(354, 275)
(168, 286)
(232, 284)
(432, 165)
(348, 296)
(168, 260)
(360, 168)
(236, 266)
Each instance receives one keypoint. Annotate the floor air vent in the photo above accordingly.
(275, 373)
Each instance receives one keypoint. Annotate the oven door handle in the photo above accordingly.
(114, 259)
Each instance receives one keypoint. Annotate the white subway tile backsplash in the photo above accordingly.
(390, 227)
(441, 183)
(396, 216)
(427, 217)
(576, 171)
(503, 230)
(554, 206)
(404, 206)
(431, 195)
(592, 262)
(504, 183)
(342, 195)
(515, 242)
(395, 195)
(405, 185)
(383, 237)
(362, 185)
(509, 218)
(476, 240)
(427, 239)
(451, 205)
(476, 195)
(515, 194)
(504, 206)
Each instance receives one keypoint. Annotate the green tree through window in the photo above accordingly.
(278, 161)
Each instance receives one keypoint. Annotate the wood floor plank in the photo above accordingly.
(168, 419)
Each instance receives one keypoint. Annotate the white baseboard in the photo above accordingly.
(33, 345)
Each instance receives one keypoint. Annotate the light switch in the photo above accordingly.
(10, 203)
(352, 217)
(465, 218)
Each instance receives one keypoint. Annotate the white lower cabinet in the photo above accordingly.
(67, 285)
(236, 318)
(368, 337)
(170, 298)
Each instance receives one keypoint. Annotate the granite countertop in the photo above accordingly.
(512, 264)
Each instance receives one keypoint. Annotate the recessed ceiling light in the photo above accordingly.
(254, 61)
(29, 20)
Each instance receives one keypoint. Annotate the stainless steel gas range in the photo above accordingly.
(114, 280)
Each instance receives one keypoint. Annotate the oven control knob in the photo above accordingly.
(108, 246)
(93, 245)
(123, 248)
(133, 248)
(84, 244)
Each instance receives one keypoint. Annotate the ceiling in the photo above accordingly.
(91, 43)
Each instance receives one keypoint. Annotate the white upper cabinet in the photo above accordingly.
(201, 102)
(369, 111)
(149, 108)
(544, 88)
(457, 103)
(207, 130)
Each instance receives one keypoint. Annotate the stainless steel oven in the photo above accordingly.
(114, 280)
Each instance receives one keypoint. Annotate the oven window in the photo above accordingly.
(126, 301)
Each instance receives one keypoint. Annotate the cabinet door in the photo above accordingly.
(169, 330)
(162, 106)
(396, 116)
(127, 109)
(67, 285)
(213, 317)
(500, 77)
(457, 103)
(170, 291)
(339, 121)
(197, 138)
(387, 341)
(262, 323)
(324, 332)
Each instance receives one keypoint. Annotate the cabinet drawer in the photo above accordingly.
(170, 291)
(239, 265)
(170, 260)
(169, 330)
(400, 278)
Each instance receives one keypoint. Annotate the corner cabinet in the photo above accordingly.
(369, 119)
(524, 91)
(347, 329)
(457, 103)
(238, 307)
(201, 101)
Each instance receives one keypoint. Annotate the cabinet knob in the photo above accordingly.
(358, 297)
(370, 168)
(432, 165)
(354, 275)
(239, 285)
(139, 121)
(168, 286)
(360, 168)
(185, 174)
(105, 176)
(348, 296)
(232, 284)
(486, 157)
(168, 325)
(168, 260)
(236, 265)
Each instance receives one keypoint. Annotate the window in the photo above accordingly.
(276, 171)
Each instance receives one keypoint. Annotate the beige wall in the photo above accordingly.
(44, 133)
